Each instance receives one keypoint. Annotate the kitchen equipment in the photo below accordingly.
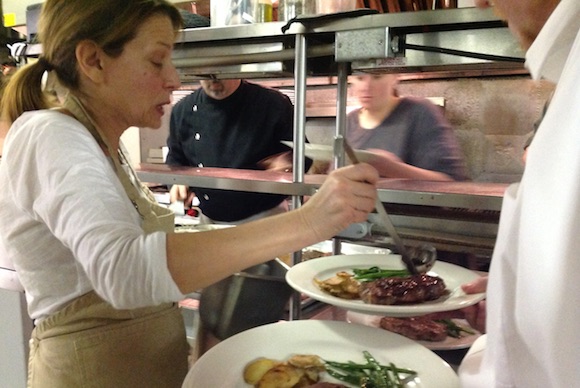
(418, 259)
(253, 297)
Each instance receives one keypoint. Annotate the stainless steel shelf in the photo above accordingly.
(264, 50)
(229, 179)
(456, 195)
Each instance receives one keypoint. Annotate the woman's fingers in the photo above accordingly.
(347, 196)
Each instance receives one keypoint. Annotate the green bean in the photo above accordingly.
(369, 374)
(347, 366)
(351, 378)
(378, 375)
(373, 273)
(396, 378)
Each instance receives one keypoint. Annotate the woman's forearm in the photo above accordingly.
(196, 260)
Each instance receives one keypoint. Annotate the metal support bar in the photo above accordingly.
(341, 98)
(299, 140)
(263, 57)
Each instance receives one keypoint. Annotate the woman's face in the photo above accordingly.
(373, 90)
(138, 84)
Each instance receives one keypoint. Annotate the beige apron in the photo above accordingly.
(89, 343)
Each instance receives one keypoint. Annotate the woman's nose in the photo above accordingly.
(172, 80)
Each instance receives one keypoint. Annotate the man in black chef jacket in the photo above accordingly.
(230, 123)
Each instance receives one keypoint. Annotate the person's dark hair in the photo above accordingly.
(65, 23)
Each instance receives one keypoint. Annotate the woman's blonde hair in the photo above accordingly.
(65, 23)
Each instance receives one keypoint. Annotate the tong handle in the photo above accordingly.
(384, 217)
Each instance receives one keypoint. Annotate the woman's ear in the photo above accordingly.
(89, 59)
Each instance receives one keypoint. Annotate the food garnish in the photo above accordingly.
(453, 329)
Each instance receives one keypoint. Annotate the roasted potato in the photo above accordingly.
(256, 369)
(306, 361)
(342, 285)
(281, 376)
(300, 370)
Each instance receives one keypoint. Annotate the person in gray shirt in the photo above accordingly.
(410, 137)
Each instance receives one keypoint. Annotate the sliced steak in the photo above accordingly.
(416, 328)
(403, 290)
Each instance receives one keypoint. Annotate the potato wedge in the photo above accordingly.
(306, 361)
(256, 369)
(281, 376)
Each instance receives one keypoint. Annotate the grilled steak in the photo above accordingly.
(416, 328)
(403, 290)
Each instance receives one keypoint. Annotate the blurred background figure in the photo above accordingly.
(410, 136)
(231, 123)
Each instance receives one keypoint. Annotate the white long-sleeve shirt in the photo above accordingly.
(67, 224)
(533, 312)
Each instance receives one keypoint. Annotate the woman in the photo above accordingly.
(97, 257)
(410, 137)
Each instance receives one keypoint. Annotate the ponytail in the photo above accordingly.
(24, 91)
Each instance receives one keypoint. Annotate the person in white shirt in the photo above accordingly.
(101, 267)
(533, 322)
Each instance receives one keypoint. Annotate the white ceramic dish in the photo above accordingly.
(222, 366)
(325, 152)
(301, 278)
(449, 343)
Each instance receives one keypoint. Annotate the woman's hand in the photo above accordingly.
(347, 195)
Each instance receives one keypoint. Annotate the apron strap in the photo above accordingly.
(154, 216)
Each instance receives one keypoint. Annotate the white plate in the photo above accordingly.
(449, 343)
(301, 278)
(325, 152)
(222, 366)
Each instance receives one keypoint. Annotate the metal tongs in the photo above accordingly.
(417, 259)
